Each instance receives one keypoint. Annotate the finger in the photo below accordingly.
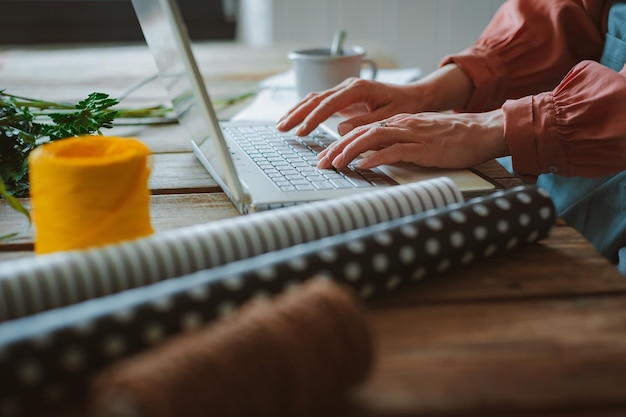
(372, 137)
(373, 117)
(323, 153)
(345, 95)
(333, 150)
(326, 109)
(329, 148)
(360, 140)
(290, 113)
(324, 163)
(299, 112)
(399, 152)
(326, 156)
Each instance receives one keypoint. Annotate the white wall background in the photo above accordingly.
(417, 33)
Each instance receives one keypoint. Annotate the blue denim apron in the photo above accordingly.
(597, 206)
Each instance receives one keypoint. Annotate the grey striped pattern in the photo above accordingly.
(29, 286)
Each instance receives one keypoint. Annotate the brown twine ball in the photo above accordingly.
(294, 356)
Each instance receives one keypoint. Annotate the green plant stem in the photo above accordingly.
(13, 202)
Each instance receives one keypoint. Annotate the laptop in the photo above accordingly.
(245, 157)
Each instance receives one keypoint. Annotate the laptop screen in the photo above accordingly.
(169, 43)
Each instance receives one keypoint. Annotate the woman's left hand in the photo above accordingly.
(443, 140)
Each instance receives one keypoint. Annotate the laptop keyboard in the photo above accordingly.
(290, 161)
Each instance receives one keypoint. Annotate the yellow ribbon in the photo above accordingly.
(89, 191)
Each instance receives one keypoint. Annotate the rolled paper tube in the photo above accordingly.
(70, 277)
(89, 191)
(295, 356)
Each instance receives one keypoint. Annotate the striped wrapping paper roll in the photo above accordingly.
(29, 286)
(49, 357)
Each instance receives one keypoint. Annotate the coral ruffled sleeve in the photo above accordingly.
(561, 114)
(529, 46)
(579, 129)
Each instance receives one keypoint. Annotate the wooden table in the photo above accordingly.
(538, 332)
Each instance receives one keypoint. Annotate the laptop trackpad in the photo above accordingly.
(465, 179)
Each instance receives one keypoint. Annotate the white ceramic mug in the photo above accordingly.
(318, 70)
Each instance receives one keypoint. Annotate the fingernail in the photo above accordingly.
(322, 163)
(363, 163)
(338, 161)
(344, 128)
(301, 130)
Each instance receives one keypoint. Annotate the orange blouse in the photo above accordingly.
(563, 111)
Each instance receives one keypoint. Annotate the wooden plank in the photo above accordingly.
(167, 212)
(15, 223)
(175, 211)
(493, 169)
(528, 355)
(180, 173)
(10, 255)
(509, 182)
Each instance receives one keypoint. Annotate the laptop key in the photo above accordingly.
(324, 185)
(341, 183)
(360, 182)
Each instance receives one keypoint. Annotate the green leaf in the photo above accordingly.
(13, 202)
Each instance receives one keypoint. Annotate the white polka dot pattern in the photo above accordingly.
(63, 348)
(29, 286)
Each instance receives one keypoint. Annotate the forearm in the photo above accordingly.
(446, 88)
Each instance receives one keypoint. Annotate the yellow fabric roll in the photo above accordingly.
(89, 191)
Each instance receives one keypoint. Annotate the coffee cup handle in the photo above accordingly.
(373, 68)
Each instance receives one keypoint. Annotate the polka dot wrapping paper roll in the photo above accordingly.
(59, 350)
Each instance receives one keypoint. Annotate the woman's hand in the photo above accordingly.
(444, 140)
(365, 101)
(361, 101)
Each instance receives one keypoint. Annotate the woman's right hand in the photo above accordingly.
(364, 101)
(360, 101)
